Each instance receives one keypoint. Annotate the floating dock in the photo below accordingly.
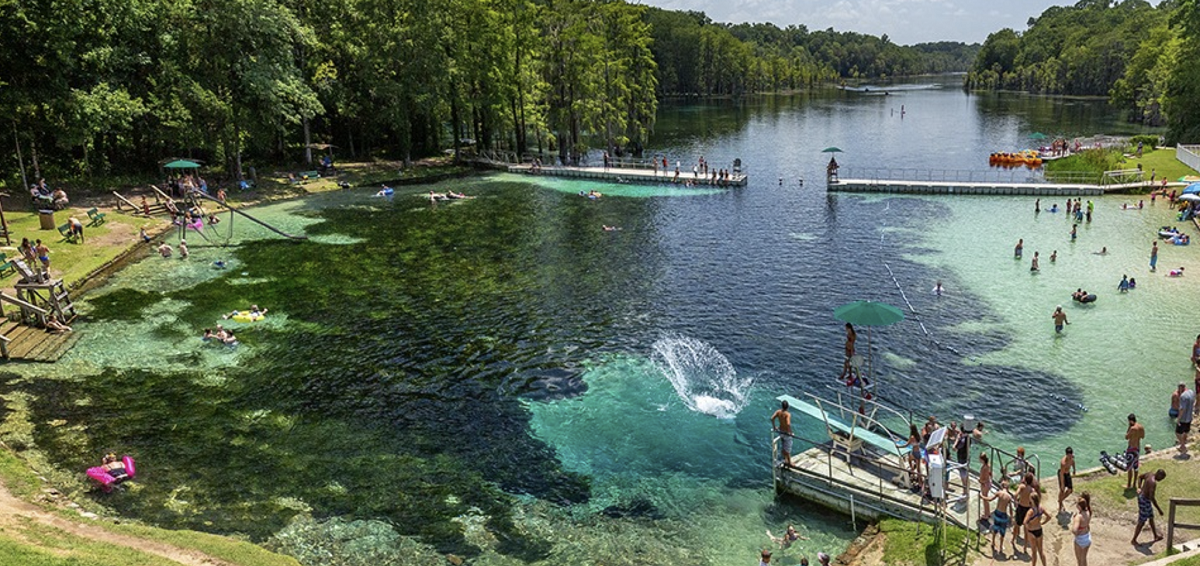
(863, 469)
(632, 175)
(915, 181)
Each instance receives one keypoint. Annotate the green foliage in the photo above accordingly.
(1148, 141)
(919, 544)
(1089, 161)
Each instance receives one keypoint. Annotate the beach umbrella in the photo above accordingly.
(868, 314)
(833, 149)
(182, 164)
(1190, 197)
(1192, 189)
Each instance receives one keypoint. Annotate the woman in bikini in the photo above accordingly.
(1033, 529)
(1081, 527)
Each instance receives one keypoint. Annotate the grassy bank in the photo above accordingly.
(1182, 478)
(27, 537)
(1161, 162)
(914, 543)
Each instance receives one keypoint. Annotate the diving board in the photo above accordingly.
(834, 423)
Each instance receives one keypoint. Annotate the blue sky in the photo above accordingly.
(904, 21)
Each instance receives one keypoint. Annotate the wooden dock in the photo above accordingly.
(33, 344)
(632, 175)
(979, 188)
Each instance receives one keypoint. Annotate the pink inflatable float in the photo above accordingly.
(108, 474)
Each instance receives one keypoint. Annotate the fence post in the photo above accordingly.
(1171, 527)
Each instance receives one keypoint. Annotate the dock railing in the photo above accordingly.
(1013, 176)
(1172, 525)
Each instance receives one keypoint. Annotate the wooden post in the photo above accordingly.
(1171, 527)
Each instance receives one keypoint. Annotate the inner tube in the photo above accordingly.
(101, 476)
(1090, 298)
(247, 316)
(1107, 462)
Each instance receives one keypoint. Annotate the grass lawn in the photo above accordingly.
(1110, 497)
(276, 185)
(72, 261)
(910, 542)
(1160, 161)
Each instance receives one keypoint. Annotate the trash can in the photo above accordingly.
(937, 477)
(46, 217)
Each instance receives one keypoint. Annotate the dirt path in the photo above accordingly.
(13, 512)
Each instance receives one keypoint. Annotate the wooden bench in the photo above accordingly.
(96, 216)
(67, 234)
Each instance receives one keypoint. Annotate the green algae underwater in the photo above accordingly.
(387, 392)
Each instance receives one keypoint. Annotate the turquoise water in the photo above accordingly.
(488, 377)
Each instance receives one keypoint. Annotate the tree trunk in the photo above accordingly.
(307, 144)
(457, 130)
(20, 159)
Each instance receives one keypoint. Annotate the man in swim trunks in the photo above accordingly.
(1133, 435)
(1183, 424)
(1066, 469)
(1000, 515)
(1147, 503)
(1154, 256)
(1024, 505)
(781, 421)
(1060, 318)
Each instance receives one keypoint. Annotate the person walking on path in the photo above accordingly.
(1060, 319)
(1183, 423)
(1133, 436)
(1081, 527)
(1154, 256)
(781, 421)
(1147, 503)
(1066, 470)
(1019, 248)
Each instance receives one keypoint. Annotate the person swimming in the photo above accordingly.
(1176, 273)
(938, 289)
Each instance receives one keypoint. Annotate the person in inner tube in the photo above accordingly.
(114, 467)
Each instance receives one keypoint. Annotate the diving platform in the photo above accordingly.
(25, 334)
(865, 470)
(632, 175)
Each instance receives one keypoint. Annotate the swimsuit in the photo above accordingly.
(1038, 531)
(1145, 509)
(1021, 512)
(999, 522)
(1067, 482)
(1131, 456)
(1084, 540)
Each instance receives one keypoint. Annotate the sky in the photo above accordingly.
(904, 21)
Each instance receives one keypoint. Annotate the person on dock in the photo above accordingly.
(781, 421)
(1081, 527)
(1019, 248)
(1066, 470)
(914, 457)
(851, 338)
(1153, 256)
(1147, 503)
(789, 536)
(1034, 533)
(55, 326)
(1133, 447)
(1060, 319)
(1000, 515)
(1183, 423)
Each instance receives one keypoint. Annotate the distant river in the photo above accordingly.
(502, 379)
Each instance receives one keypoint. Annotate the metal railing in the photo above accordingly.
(1172, 525)
(942, 175)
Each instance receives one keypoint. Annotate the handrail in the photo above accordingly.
(853, 424)
(1171, 524)
(24, 304)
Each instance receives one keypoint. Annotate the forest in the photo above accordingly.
(1140, 56)
(100, 88)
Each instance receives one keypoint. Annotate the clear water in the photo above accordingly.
(483, 377)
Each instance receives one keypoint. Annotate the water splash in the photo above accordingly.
(703, 378)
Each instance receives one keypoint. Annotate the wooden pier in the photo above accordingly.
(632, 175)
(33, 344)
(863, 469)
(24, 333)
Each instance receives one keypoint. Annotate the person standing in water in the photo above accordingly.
(781, 421)
(1037, 206)
(1074, 231)
(1019, 249)
(1060, 319)
(1034, 266)
(1154, 256)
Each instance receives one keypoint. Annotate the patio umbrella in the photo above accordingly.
(1192, 189)
(832, 149)
(868, 314)
(182, 164)
(1190, 197)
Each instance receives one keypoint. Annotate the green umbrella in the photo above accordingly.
(1037, 136)
(832, 149)
(869, 313)
(182, 164)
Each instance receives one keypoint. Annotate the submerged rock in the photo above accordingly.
(637, 508)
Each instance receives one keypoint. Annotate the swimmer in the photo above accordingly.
(219, 264)
(253, 312)
(183, 250)
(938, 289)
(1175, 273)
(165, 250)
(1132, 283)
(1054, 207)
(1054, 256)
(1034, 265)
(208, 335)
(608, 228)
(1019, 248)
(790, 536)
(1123, 286)
(1103, 251)
(387, 191)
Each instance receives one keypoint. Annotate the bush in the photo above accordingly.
(1150, 141)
